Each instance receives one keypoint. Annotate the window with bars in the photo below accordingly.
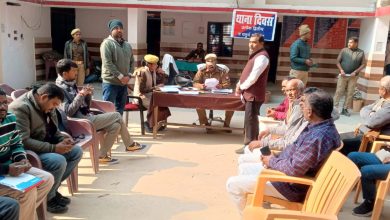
(219, 40)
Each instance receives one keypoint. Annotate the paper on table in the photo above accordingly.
(211, 83)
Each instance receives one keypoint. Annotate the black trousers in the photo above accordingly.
(251, 121)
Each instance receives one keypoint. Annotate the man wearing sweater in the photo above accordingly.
(300, 55)
(117, 65)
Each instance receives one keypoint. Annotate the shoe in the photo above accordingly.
(147, 128)
(240, 150)
(135, 146)
(62, 200)
(108, 160)
(54, 207)
(162, 128)
(364, 209)
(345, 112)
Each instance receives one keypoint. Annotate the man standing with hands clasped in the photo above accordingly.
(117, 65)
(251, 87)
(350, 62)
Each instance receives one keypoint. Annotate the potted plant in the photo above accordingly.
(357, 101)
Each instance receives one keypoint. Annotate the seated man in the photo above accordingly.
(13, 161)
(302, 157)
(147, 79)
(287, 129)
(372, 169)
(76, 104)
(212, 71)
(279, 113)
(9, 208)
(37, 121)
(196, 55)
(375, 117)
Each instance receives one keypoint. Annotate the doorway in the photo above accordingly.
(272, 48)
(153, 32)
(62, 23)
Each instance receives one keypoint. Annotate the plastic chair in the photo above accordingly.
(327, 193)
(34, 160)
(17, 93)
(7, 88)
(382, 185)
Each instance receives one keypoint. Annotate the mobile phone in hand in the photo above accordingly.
(265, 151)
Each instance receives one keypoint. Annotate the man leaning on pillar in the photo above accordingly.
(76, 49)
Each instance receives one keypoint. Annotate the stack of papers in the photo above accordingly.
(23, 182)
(171, 89)
(189, 92)
(222, 91)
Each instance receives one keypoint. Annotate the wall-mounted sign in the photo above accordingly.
(247, 22)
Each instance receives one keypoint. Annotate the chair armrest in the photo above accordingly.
(34, 159)
(103, 106)
(272, 172)
(251, 213)
(384, 137)
(264, 178)
(80, 126)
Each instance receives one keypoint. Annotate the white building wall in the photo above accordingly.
(17, 66)
(93, 22)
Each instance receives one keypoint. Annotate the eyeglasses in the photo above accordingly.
(5, 103)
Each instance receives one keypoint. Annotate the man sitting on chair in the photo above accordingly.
(147, 78)
(212, 71)
(302, 157)
(375, 117)
(197, 55)
(76, 104)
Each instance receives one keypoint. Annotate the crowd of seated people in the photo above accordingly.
(313, 138)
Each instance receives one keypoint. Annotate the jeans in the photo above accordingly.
(372, 169)
(9, 208)
(60, 166)
(115, 94)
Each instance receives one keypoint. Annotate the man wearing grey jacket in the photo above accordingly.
(76, 104)
(117, 65)
(374, 117)
(37, 121)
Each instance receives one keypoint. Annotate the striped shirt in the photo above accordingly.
(11, 147)
(305, 157)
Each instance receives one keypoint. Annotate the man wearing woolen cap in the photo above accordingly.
(117, 65)
(300, 55)
(76, 49)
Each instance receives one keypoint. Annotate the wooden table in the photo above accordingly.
(161, 101)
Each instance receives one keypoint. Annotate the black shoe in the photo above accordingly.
(162, 128)
(147, 128)
(62, 200)
(240, 150)
(345, 112)
(364, 209)
(54, 207)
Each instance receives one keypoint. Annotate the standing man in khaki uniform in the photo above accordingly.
(212, 71)
(77, 50)
(350, 62)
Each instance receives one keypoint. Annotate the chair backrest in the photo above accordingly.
(332, 186)
(15, 94)
(6, 88)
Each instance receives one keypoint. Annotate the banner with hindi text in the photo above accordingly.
(247, 22)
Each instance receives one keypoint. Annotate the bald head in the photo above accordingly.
(294, 89)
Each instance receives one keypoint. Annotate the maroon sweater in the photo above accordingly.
(257, 91)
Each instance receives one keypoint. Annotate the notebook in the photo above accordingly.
(383, 153)
(24, 182)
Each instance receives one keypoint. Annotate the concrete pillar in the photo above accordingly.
(373, 39)
(136, 32)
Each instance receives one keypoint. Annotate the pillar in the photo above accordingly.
(373, 40)
(136, 27)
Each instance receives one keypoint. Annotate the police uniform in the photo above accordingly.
(224, 80)
(145, 81)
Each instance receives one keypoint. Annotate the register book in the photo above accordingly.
(24, 182)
